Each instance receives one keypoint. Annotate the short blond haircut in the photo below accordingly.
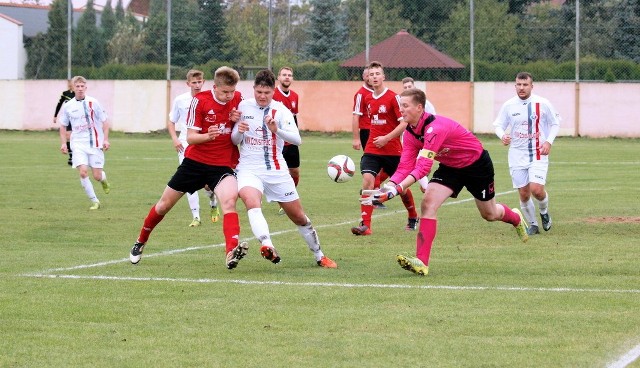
(226, 76)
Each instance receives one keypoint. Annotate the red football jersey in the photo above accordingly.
(290, 100)
(206, 110)
(384, 112)
(360, 109)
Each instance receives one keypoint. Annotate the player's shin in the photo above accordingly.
(259, 226)
(231, 230)
(150, 222)
(424, 239)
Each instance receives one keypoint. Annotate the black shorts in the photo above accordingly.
(69, 127)
(477, 177)
(291, 154)
(370, 163)
(192, 176)
(364, 137)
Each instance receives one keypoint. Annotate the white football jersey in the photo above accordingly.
(86, 118)
(531, 123)
(178, 114)
(259, 147)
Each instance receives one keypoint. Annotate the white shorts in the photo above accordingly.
(276, 185)
(181, 154)
(535, 173)
(83, 154)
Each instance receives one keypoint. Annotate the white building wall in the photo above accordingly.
(13, 57)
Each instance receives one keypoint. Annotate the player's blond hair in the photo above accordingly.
(78, 78)
(194, 73)
(226, 76)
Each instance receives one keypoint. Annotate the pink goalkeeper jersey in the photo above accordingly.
(444, 140)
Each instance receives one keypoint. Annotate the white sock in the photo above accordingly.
(194, 204)
(544, 204)
(311, 237)
(104, 176)
(259, 226)
(88, 188)
(529, 211)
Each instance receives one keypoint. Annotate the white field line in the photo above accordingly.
(199, 247)
(334, 284)
(630, 357)
(622, 362)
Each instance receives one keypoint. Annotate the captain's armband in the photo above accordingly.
(427, 154)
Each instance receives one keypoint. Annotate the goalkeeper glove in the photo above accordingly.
(376, 197)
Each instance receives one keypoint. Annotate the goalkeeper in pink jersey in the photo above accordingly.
(463, 163)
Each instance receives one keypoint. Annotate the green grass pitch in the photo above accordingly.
(70, 298)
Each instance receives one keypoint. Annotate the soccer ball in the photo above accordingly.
(341, 168)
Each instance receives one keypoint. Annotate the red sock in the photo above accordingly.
(365, 212)
(381, 177)
(407, 200)
(425, 239)
(231, 230)
(149, 224)
(509, 216)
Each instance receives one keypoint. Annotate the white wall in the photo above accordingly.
(604, 109)
(13, 56)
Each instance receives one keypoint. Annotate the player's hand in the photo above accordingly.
(63, 149)
(106, 145)
(545, 148)
(243, 127)
(234, 115)
(178, 145)
(356, 144)
(380, 141)
(506, 139)
(213, 131)
(376, 197)
(271, 123)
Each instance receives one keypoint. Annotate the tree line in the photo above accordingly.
(324, 31)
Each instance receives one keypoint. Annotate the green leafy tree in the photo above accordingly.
(108, 22)
(47, 53)
(119, 12)
(425, 21)
(626, 35)
(185, 31)
(155, 32)
(248, 24)
(385, 21)
(496, 35)
(327, 31)
(127, 46)
(211, 24)
(88, 44)
(548, 34)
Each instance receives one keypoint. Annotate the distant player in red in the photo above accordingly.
(463, 162)
(383, 147)
(283, 93)
(209, 160)
(360, 122)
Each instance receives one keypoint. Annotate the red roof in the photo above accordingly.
(404, 51)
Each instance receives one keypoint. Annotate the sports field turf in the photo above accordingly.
(70, 298)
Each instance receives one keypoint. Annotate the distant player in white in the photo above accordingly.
(408, 83)
(263, 128)
(89, 138)
(177, 122)
(533, 125)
